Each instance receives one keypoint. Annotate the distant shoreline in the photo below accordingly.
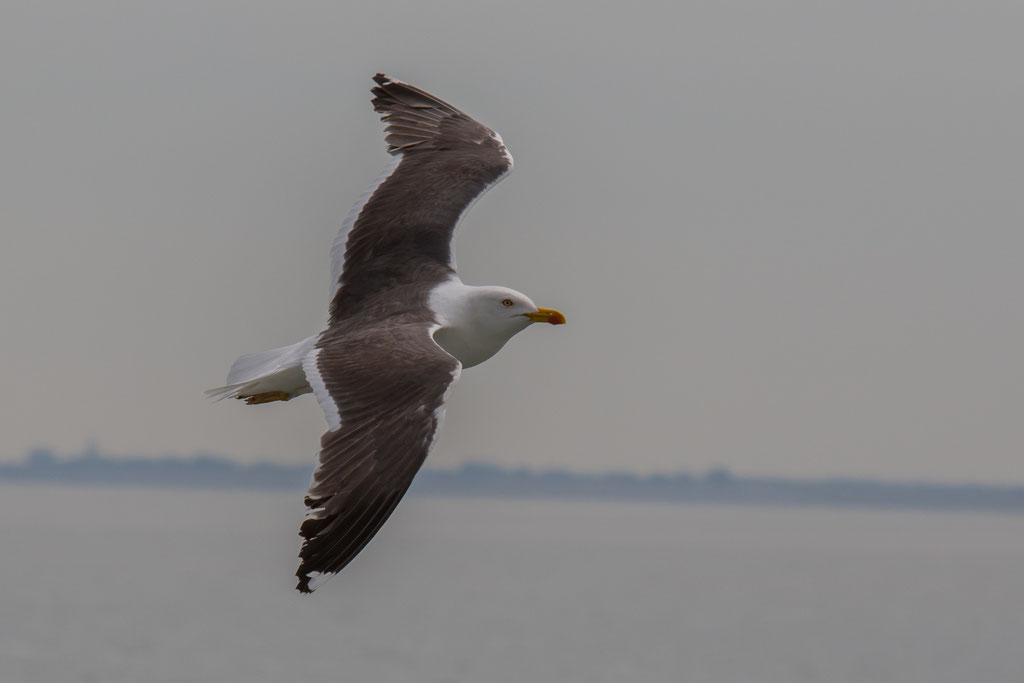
(478, 479)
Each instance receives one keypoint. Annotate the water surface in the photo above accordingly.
(128, 585)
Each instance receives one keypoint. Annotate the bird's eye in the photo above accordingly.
(506, 302)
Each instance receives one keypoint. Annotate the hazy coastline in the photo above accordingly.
(718, 485)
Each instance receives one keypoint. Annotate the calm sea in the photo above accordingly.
(144, 586)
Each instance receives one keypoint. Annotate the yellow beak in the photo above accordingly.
(546, 315)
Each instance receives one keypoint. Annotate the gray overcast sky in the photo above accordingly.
(787, 235)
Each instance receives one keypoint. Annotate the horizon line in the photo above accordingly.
(722, 473)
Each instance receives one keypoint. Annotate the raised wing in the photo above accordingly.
(383, 391)
(444, 161)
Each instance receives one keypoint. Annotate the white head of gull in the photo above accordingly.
(475, 322)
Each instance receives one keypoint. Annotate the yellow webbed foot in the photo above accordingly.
(266, 397)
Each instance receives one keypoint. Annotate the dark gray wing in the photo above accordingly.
(383, 392)
(444, 161)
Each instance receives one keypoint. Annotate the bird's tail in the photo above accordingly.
(276, 370)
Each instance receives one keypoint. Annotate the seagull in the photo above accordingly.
(401, 328)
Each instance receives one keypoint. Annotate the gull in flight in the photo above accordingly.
(402, 325)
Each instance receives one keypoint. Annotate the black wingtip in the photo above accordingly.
(381, 79)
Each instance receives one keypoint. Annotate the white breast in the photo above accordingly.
(468, 347)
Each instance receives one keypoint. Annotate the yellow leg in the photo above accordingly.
(266, 397)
